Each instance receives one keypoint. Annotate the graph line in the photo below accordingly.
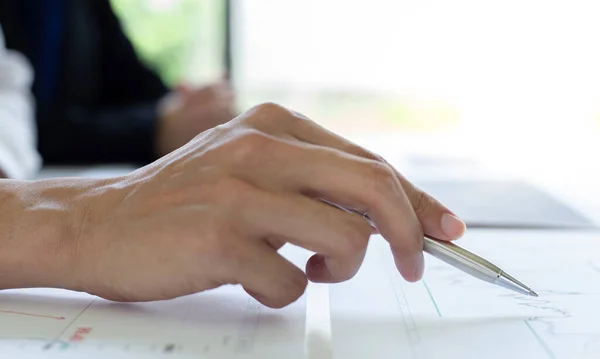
(542, 343)
(594, 267)
(73, 321)
(432, 299)
(32, 315)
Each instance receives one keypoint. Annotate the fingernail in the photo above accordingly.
(452, 226)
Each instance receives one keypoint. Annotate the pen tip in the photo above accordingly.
(533, 294)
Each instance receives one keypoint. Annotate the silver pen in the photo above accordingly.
(466, 261)
(474, 265)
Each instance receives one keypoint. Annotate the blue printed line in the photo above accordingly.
(542, 343)
(433, 300)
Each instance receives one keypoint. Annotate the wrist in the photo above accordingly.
(40, 228)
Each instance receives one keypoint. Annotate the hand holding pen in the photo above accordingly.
(216, 212)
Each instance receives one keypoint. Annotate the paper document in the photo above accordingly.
(376, 315)
(99, 171)
(223, 323)
(453, 315)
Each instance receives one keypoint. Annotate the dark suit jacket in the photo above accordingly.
(105, 108)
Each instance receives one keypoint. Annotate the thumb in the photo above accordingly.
(437, 221)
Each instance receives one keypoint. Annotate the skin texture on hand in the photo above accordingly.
(187, 112)
(216, 211)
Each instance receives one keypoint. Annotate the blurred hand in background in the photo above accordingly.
(187, 112)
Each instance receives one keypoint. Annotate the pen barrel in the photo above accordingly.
(462, 259)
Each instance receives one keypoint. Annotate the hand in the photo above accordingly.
(216, 211)
(187, 112)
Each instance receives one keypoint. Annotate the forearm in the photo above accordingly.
(39, 222)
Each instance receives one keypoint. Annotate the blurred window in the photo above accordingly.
(489, 74)
(182, 39)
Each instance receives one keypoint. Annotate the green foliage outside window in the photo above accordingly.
(178, 38)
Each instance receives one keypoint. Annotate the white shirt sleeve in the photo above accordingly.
(18, 156)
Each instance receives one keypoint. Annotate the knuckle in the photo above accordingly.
(302, 117)
(382, 178)
(421, 203)
(299, 123)
(412, 242)
(296, 119)
(365, 153)
(356, 238)
(269, 108)
(268, 113)
(372, 156)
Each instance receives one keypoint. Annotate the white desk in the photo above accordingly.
(85, 171)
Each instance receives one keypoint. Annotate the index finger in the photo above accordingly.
(351, 182)
(436, 220)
